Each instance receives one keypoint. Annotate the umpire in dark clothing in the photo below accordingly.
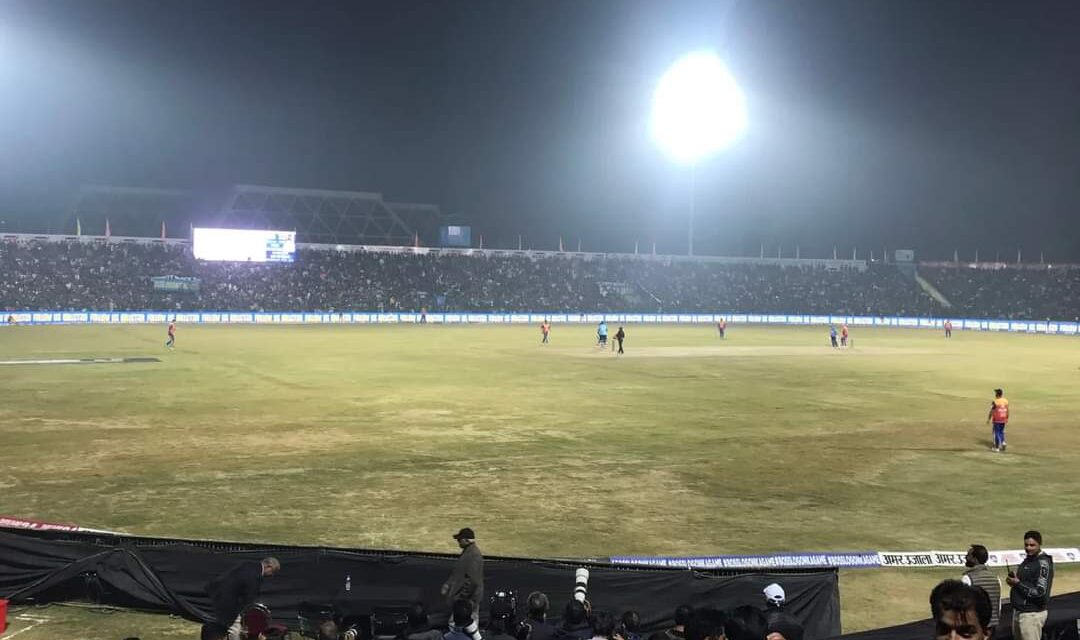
(235, 590)
(466, 581)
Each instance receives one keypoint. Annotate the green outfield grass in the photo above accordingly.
(395, 436)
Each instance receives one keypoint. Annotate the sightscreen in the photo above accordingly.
(244, 245)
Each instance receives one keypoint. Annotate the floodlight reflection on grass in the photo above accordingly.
(697, 108)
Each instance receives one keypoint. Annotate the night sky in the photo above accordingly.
(930, 125)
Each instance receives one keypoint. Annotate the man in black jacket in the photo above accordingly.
(466, 581)
(237, 589)
(1031, 584)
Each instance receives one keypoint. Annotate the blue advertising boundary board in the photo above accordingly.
(306, 317)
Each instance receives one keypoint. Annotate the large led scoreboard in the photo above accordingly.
(244, 245)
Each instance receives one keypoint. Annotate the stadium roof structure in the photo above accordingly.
(423, 219)
(317, 215)
(130, 211)
(329, 217)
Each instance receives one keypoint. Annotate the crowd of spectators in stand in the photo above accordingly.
(117, 276)
(1036, 292)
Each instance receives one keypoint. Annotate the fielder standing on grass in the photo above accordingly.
(172, 334)
(620, 335)
(999, 415)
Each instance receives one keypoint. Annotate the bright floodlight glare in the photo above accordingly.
(698, 108)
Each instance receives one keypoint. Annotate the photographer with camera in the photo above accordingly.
(535, 626)
(463, 624)
(575, 624)
(502, 611)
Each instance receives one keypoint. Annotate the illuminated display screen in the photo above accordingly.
(244, 245)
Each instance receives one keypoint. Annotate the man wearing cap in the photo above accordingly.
(778, 621)
(466, 581)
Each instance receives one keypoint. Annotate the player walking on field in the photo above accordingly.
(601, 334)
(620, 335)
(843, 335)
(721, 326)
(948, 328)
(545, 328)
(999, 415)
(172, 335)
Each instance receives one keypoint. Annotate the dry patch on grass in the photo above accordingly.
(711, 351)
(46, 425)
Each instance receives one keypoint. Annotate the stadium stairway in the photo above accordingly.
(932, 291)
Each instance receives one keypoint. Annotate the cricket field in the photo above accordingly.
(393, 437)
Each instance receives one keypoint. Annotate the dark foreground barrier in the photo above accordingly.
(171, 576)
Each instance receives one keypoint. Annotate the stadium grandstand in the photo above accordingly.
(98, 273)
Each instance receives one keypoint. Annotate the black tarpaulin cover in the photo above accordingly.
(171, 575)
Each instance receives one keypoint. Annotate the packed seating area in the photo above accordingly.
(117, 276)
(1036, 293)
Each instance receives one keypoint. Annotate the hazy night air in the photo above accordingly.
(927, 125)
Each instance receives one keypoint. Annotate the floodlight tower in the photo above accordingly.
(697, 110)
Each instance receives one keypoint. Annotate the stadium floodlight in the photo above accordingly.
(698, 109)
